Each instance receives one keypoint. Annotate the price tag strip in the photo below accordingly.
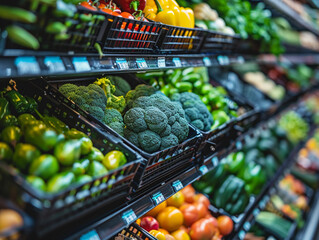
(203, 169)
(207, 62)
(158, 198)
(122, 63)
(27, 65)
(141, 63)
(177, 185)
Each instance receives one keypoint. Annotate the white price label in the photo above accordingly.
(161, 62)
(92, 235)
(122, 63)
(158, 198)
(141, 63)
(207, 61)
(129, 216)
(215, 160)
(247, 226)
(239, 145)
(177, 185)
(27, 65)
(256, 212)
(81, 64)
(203, 169)
(241, 234)
(54, 64)
(223, 60)
(177, 62)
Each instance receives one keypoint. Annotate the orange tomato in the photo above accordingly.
(181, 235)
(162, 230)
(203, 229)
(185, 229)
(189, 193)
(225, 225)
(208, 215)
(202, 210)
(169, 237)
(190, 214)
(213, 221)
(201, 198)
(176, 200)
(170, 218)
(157, 209)
(157, 234)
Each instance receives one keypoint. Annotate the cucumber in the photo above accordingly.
(56, 28)
(219, 195)
(22, 37)
(17, 14)
(192, 78)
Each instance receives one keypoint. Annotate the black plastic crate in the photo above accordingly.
(122, 35)
(134, 231)
(180, 40)
(159, 165)
(216, 42)
(108, 192)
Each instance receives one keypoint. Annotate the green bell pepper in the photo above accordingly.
(4, 107)
(25, 118)
(235, 162)
(60, 181)
(41, 136)
(36, 182)
(18, 102)
(97, 169)
(44, 166)
(95, 155)
(67, 152)
(24, 154)
(8, 120)
(53, 122)
(114, 159)
(11, 135)
(5, 152)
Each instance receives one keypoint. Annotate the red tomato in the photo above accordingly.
(202, 209)
(190, 214)
(202, 199)
(203, 229)
(88, 6)
(189, 193)
(213, 221)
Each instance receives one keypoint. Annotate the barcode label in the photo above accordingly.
(141, 63)
(81, 64)
(54, 64)
(161, 62)
(207, 61)
(129, 216)
(122, 63)
(223, 60)
(177, 185)
(27, 65)
(92, 235)
(158, 198)
(247, 226)
(177, 62)
(203, 169)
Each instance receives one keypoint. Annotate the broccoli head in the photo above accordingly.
(196, 111)
(121, 86)
(140, 91)
(113, 101)
(155, 114)
(90, 98)
(118, 127)
(114, 120)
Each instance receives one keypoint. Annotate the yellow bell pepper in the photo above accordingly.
(169, 12)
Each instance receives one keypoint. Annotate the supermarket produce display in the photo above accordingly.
(159, 119)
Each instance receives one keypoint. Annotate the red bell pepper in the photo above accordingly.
(131, 6)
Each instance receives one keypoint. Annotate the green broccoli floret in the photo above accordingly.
(118, 127)
(131, 136)
(196, 111)
(112, 115)
(149, 141)
(155, 114)
(90, 98)
(122, 86)
(139, 91)
(134, 120)
(168, 141)
(113, 101)
(65, 89)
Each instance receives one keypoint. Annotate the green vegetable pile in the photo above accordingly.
(295, 126)
(103, 100)
(248, 21)
(195, 80)
(44, 149)
(144, 116)
(244, 173)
